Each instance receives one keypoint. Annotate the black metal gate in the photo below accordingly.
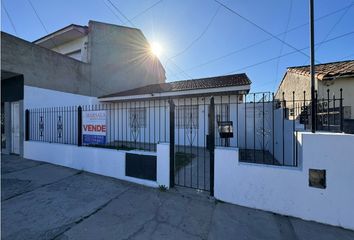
(193, 138)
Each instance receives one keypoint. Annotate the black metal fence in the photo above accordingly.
(330, 111)
(53, 125)
(262, 126)
(124, 125)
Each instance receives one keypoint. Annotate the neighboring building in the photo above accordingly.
(71, 41)
(328, 76)
(71, 66)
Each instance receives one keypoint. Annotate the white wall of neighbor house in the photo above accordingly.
(334, 86)
(76, 49)
(286, 190)
(51, 104)
(35, 97)
(101, 161)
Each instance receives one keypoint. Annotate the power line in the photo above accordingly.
(334, 26)
(289, 53)
(116, 15)
(9, 17)
(39, 19)
(284, 38)
(200, 35)
(55, 45)
(121, 13)
(147, 9)
(261, 28)
(43, 25)
(265, 40)
(347, 56)
(181, 70)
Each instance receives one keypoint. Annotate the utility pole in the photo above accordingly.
(312, 67)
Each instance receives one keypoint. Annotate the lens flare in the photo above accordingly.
(156, 49)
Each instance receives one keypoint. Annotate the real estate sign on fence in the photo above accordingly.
(94, 127)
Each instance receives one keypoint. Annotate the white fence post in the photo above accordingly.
(163, 164)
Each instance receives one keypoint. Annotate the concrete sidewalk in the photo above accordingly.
(44, 201)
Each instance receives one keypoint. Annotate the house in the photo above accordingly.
(330, 78)
(192, 101)
(71, 66)
(115, 55)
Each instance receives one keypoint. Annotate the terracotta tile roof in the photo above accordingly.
(202, 83)
(327, 70)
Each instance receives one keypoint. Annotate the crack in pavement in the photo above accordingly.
(135, 233)
(286, 229)
(99, 208)
(156, 219)
(41, 186)
(212, 218)
(19, 170)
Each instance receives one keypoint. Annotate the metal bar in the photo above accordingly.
(254, 127)
(172, 144)
(184, 142)
(245, 99)
(263, 131)
(341, 109)
(273, 128)
(294, 127)
(159, 120)
(334, 109)
(204, 137)
(191, 138)
(283, 125)
(237, 118)
(312, 64)
(212, 143)
(328, 110)
(154, 145)
(79, 126)
(315, 113)
(165, 120)
(197, 142)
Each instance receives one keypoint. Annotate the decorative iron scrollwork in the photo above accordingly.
(59, 127)
(41, 126)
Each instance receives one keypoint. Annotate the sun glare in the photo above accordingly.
(156, 49)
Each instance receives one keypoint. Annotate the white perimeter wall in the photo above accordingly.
(35, 97)
(286, 190)
(101, 161)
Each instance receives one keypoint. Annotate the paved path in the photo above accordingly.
(44, 201)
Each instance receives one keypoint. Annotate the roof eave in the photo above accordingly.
(181, 93)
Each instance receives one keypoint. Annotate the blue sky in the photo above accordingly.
(201, 32)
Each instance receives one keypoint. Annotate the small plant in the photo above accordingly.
(162, 188)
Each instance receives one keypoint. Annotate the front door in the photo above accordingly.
(15, 127)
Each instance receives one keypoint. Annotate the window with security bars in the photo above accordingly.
(187, 117)
(137, 117)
